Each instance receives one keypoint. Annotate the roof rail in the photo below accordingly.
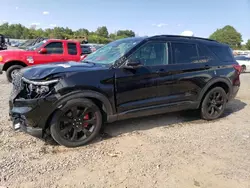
(181, 36)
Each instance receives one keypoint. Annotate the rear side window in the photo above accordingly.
(72, 50)
(54, 48)
(205, 55)
(184, 53)
(224, 53)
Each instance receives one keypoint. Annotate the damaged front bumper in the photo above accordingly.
(31, 115)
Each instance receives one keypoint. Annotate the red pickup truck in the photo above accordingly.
(47, 51)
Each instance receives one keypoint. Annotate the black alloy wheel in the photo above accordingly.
(214, 103)
(77, 123)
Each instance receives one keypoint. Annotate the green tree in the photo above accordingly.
(228, 35)
(101, 35)
(102, 31)
(82, 32)
(125, 33)
(248, 44)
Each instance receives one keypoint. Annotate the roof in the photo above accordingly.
(184, 37)
(63, 40)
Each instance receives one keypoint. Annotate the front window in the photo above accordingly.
(54, 48)
(111, 52)
(37, 46)
(153, 53)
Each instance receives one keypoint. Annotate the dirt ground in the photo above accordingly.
(171, 151)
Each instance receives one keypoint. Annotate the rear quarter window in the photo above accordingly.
(224, 53)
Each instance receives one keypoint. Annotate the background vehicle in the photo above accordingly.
(3, 43)
(244, 62)
(47, 51)
(31, 42)
(89, 48)
(14, 43)
(126, 78)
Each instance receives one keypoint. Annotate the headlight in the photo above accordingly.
(36, 89)
(40, 83)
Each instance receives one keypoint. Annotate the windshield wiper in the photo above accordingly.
(89, 62)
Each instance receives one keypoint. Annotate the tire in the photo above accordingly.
(80, 104)
(10, 71)
(243, 68)
(213, 103)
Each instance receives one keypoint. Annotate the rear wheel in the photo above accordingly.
(213, 105)
(76, 123)
(11, 71)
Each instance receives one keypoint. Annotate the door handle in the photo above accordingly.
(207, 67)
(160, 71)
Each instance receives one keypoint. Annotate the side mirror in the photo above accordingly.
(133, 64)
(42, 51)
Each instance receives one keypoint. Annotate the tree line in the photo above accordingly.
(228, 34)
(101, 35)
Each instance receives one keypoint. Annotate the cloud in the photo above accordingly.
(160, 25)
(35, 24)
(17, 8)
(3, 21)
(52, 25)
(45, 12)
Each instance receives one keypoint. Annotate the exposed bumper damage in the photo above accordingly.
(27, 112)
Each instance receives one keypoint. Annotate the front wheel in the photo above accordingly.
(11, 71)
(213, 105)
(76, 123)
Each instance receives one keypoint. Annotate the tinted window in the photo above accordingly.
(224, 53)
(72, 50)
(184, 53)
(204, 54)
(155, 53)
(54, 48)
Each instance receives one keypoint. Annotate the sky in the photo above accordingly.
(144, 17)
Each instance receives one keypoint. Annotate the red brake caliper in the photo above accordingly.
(86, 117)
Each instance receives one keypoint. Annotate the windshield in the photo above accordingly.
(111, 52)
(36, 46)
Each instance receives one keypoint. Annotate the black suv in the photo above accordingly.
(126, 78)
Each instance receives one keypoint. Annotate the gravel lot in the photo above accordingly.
(172, 150)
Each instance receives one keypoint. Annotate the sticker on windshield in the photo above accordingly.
(64, 65)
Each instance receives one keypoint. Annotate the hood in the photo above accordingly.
(39, 72)
(12, 52)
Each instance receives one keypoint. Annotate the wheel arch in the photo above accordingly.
(13, 62)
(216, 82)
(98, 98)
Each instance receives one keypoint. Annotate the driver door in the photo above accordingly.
(138, 88)
(55, 53)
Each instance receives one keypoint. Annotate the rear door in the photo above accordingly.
(72, 53)
(190, 71)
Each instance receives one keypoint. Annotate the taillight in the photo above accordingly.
(237, 68)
